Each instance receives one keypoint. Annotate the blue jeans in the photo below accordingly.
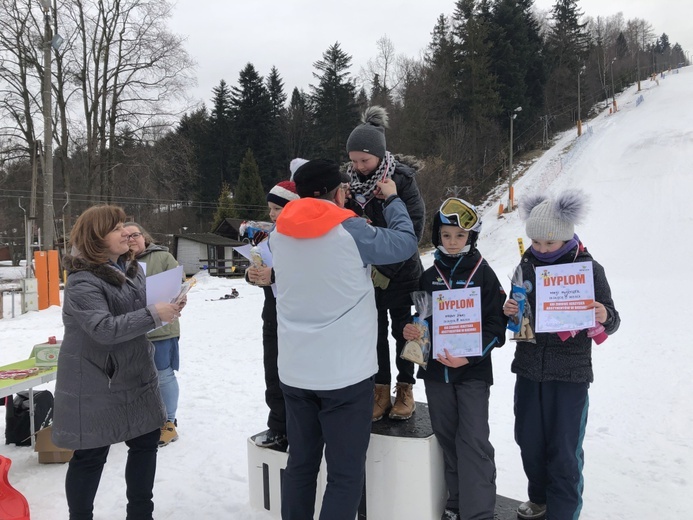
(339, 420)
(166, 360)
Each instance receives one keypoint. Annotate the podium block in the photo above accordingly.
(404, 472)
(405, 475)
(265, 472)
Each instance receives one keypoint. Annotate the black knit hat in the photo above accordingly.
(319, 177)
(369, 136)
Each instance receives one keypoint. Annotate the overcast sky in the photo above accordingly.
(224, 35)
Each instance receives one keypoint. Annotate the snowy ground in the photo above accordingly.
(636, 166)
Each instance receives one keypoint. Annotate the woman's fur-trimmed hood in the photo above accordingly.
(108, 273)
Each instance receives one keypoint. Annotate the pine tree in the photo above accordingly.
(225, 206)
(249, 197)
(442, 72)
(517, 59)
(277, 146)
(195, 129)
(220, 139)
(567, 48)
(252, 116)
(299, 126)
(334, 102)
(478, 102)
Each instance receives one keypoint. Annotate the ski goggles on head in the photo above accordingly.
(458, 212)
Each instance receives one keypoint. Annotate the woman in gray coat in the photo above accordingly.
(107, 389)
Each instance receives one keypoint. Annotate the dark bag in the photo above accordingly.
(17, 420)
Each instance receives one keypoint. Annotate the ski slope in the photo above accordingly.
(636, 166)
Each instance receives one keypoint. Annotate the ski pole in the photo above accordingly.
(521, 246)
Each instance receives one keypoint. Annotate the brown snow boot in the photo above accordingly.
(168, 434)
(404, 402)
(381, 401)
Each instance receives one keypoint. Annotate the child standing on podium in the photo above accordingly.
(458, 387)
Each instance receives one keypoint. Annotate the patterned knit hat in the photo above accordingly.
(553, 219)
(282, 193)
(369, 136)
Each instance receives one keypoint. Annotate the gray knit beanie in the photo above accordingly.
(369, 136)
(553, 219)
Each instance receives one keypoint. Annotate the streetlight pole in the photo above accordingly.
(511, 196)
(613, 91)
(48, 221)
(579, 114)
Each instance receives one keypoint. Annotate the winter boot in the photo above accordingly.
(450, 514)
(404, 402)
(272, 439)
(531, 511)
(381, 401)
(168, 434)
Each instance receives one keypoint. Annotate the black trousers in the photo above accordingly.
(396, 304)
(340, 421)
(84, 474)
(405, 369)
(274, 397)
(459, 417)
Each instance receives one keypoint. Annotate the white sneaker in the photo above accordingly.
(531, 511)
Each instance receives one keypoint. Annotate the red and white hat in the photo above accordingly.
(282, 193)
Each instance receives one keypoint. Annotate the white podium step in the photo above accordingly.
(404, 472)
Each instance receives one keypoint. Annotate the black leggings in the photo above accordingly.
(84, 474)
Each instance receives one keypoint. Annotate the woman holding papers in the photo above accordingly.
(107, 389)
(554, 370)
(469, 323)
(156, 259)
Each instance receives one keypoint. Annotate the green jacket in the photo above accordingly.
(158, 260)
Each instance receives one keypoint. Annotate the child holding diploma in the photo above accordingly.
(555, 370)
(458, 386)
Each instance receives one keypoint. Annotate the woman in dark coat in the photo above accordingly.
(107, 389)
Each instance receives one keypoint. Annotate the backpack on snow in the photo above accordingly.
(17, 420)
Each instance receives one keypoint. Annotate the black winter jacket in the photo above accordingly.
(404, 276)
(493, 321)
(552, 359)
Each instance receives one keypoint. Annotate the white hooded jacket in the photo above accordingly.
(326, 315)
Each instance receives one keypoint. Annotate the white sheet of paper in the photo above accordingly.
(563, 292)
(164, 287)
(244, 250)
(457, 322)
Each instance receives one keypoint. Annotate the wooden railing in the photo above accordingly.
(225, 266)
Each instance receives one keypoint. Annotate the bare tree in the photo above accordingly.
(119, 70)
(131, 69)
(20, 79)
(381, 74)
